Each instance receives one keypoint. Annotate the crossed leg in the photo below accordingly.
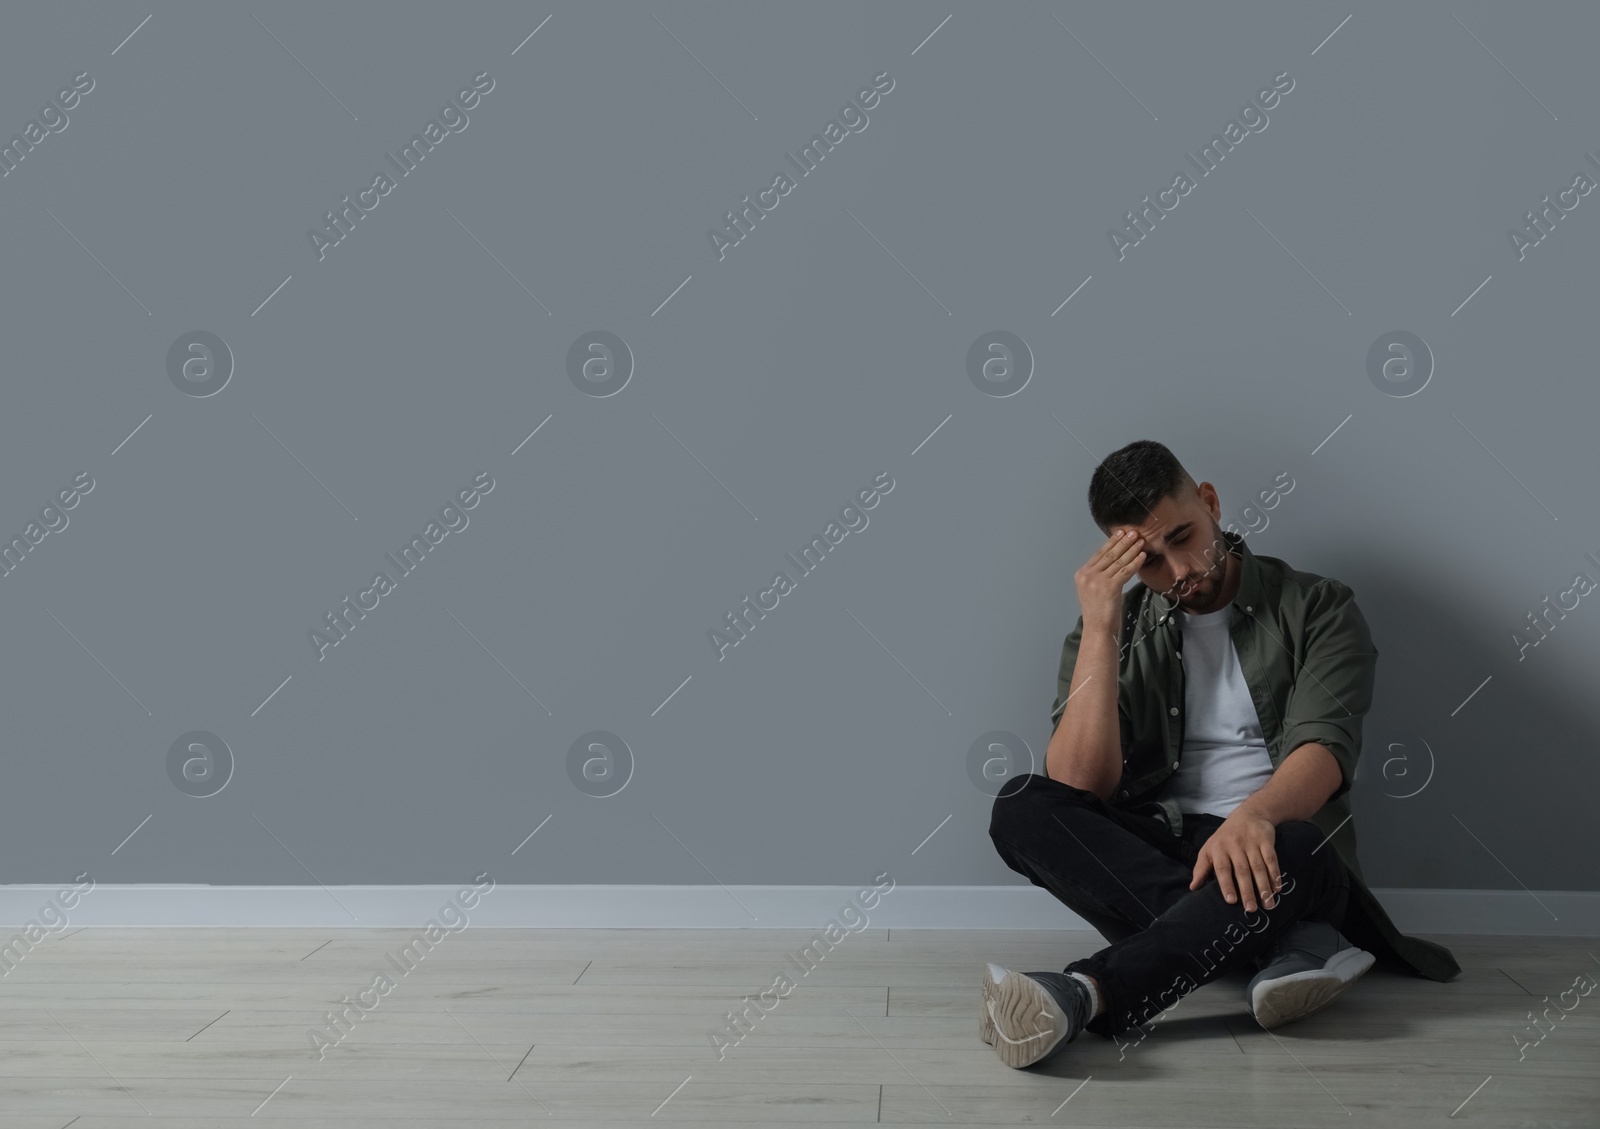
(1128, 876)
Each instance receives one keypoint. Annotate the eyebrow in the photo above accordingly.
(1176, 531)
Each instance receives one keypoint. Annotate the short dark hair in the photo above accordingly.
(1130, 482)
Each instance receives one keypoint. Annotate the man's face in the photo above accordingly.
(1185, 554)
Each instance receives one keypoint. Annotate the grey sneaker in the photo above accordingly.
(1304, 971)
(1031, 1015)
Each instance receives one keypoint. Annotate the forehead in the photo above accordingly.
(1168, 519)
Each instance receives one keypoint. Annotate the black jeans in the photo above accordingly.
(1128, 875)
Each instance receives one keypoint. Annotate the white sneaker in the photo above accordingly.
(1031, 1015)
(1304, 971)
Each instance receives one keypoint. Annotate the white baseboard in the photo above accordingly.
(1566, 913)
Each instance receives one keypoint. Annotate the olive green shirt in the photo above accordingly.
(1309, 661)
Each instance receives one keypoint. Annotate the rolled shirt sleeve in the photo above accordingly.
(1333, 679)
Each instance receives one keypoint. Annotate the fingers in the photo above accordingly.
(1202, 870)
(1114, 562)
(1256, 877)
(1124, 554)
(1263, 882)
(1119, 546)
(1224, 868)
(1274, 875)
(1240, 881)
(1129, 566)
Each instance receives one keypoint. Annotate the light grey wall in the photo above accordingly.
(767, 389)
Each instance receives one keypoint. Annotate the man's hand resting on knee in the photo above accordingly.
(1242, 855)
(1242, 852)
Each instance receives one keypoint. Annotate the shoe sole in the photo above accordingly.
(985, 1023)
(1028, 1023)
(1288, 998)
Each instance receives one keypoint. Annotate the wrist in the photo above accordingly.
(1253, 808)
(1100, 624)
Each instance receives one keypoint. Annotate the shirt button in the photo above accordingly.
(1249, 608)
(1123, 794)
(1173, 711)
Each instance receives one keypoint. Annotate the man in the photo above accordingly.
(1195, 803)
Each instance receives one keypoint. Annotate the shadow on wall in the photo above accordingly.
(1516, 766)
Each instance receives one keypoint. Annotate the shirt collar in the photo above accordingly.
(1249, 593)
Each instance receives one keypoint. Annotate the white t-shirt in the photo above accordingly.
(1224, 756)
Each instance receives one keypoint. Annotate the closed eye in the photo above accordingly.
(1155, 558)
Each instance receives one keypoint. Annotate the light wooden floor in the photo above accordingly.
(194, 1028)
